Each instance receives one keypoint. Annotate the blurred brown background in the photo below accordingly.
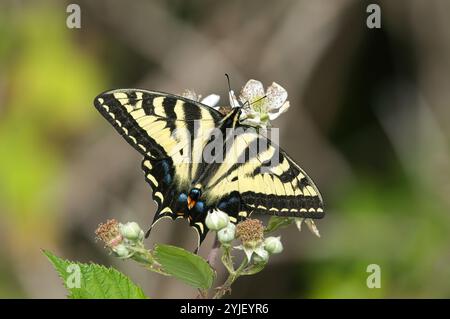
(369, 121)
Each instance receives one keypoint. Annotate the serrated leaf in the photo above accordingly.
(276, 223)
(185, 266)
(93, 281)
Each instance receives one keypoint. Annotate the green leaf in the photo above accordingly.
(92, 281)
(185, 266)
(276, 223)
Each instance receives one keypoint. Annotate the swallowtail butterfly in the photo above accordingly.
(173, 133)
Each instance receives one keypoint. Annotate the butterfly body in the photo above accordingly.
(197, 159)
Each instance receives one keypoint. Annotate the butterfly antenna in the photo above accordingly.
(228, 81)
(147, 234)
(261, 98)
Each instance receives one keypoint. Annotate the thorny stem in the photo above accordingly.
(227, 259)
(202, 294)
(233, 274)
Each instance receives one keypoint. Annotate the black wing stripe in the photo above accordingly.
(115, 113)
(277, 200)
(147, 103)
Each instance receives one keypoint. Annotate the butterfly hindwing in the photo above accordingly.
(267, 179)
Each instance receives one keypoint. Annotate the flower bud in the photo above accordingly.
(121, 251)
(226, 235)
(260, 256)
(216, 220)
(273, 245)
(131, 231)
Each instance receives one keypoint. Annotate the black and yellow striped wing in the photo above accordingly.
(173, 134)
(169, 131)
(266, 178)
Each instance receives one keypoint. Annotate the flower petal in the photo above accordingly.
(248, 253)
(298, 223)
(211, 100)
(234, 102)
(190, 94)
(273, 115)
(312, 226)
(252, 91)
(284, 107)
(276, 95)
(260, 251)
(310, 223)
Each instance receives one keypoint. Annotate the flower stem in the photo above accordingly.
(212, 256)
(144, 257)
(233, 274)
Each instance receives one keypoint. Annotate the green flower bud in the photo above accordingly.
(260, 256)
(121, 251)
(131, 231)
(273, 245)
(226, 235)
(216, 220)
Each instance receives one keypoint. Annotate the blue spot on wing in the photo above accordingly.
(167, 176)
(182, 198)
(199, 207)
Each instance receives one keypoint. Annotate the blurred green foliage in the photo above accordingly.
(50, 84)
(384, 214)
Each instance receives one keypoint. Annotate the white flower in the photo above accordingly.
(131, 231)
(226, 235)
(310, 223)
(273, 245)
(216, 219)
(259, 107)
